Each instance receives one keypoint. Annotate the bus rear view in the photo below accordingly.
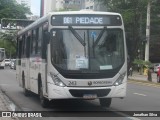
(2, 58)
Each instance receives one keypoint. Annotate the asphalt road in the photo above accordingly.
(139, 98)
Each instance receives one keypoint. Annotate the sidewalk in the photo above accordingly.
(4, 106)
(137, 76)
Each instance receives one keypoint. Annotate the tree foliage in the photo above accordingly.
(134, 14)
(142, 64)
(8, 41)
(11, 9)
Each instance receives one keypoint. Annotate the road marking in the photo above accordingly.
(123, 114)
(145, 84)
(133, 118)
(139, 94)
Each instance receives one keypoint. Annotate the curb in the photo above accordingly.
(5, 105)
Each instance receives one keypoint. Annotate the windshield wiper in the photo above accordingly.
(77, 36)
(99, 36)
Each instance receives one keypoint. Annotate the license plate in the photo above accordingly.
(89, 96)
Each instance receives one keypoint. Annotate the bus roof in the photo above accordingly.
(83, 12)
(47, 17)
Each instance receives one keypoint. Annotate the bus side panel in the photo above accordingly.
(44, 76)
(33, 75)
(27, 78)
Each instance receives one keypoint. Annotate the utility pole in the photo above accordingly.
(148, 31)
(42, 8)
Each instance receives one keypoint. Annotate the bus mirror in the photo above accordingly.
(47, 37)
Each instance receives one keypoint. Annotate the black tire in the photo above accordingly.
(105, 102)
(44, 101)
(25, 91)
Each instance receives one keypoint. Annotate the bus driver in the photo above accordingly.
(107, 52)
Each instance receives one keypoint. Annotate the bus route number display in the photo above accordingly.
(73, 20)
(83, 20)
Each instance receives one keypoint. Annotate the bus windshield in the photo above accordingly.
(87, 50)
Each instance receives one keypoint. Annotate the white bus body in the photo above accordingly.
(2, 58)
(74, 55)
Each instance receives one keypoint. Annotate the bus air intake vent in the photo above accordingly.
(98, 92)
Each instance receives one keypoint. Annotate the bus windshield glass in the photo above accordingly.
(89, 50)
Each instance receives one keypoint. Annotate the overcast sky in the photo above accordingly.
(35, 7)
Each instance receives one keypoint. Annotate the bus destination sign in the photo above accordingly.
(86, 20)
(83, 20)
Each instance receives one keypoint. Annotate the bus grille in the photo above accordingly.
(98, 92)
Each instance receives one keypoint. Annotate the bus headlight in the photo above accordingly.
(120, 79)
(56, 80)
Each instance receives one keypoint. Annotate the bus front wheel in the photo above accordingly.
(105, 102)
(44, 101)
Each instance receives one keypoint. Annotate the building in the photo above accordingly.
(70, 5)
(49, 5)
(94, 5)
(60, 5)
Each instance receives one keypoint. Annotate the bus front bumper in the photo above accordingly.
(56, 92)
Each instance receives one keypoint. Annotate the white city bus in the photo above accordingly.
(2, 58)
(74, 55)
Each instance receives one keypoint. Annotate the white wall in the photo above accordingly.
(49, 5)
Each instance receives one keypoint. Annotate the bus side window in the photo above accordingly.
(44, 41)
(19, 51)
(39, 45)
(37, 40)
(23, 45)
(34, 43)
(31, 43)
(28, 46)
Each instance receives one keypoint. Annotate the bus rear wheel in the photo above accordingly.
(25, 91)
(44, 101)
(105, 102)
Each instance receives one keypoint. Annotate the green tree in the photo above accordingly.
(142, 63)
(8, 41)
(134, 16)
(11, 9)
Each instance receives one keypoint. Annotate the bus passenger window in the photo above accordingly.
(31, 43)
(34, 42)
(23, 45)
(19, 48)
(39, 41)
(28, 46)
